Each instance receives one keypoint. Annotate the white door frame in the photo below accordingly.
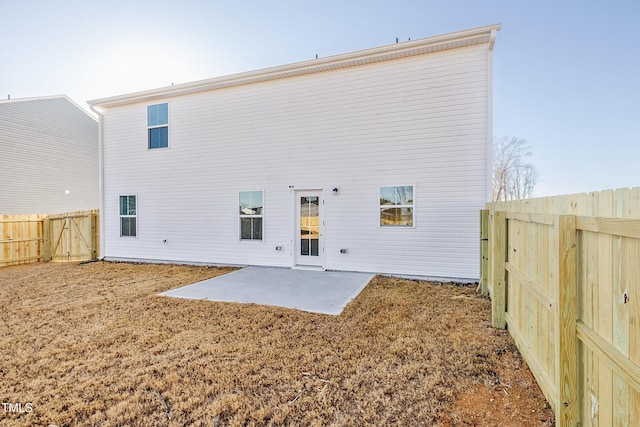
(308, 256)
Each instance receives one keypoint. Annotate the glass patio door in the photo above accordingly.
(309, 224)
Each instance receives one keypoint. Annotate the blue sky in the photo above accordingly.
(566, 73)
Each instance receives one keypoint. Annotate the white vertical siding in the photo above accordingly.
(420, 120)
(48, 146)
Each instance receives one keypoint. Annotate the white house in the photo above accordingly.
(377, 160)
(48, 156)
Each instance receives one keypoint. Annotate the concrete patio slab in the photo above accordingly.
(326, 292)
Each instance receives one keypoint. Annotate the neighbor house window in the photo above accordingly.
(396, 206)
(128, 215)
(251, 215)
(158, 124)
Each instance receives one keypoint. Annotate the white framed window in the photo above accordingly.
(158, 126)
(251, 215)
(396, 206)
(128, 216)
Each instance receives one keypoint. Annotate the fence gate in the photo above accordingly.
(73, 236)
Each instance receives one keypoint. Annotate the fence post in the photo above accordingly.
(93, 228)
(566, 353)
(484, 248)
(499, 255)
(46, 239)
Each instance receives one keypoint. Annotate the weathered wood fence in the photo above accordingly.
(71, 236)
(563, 274)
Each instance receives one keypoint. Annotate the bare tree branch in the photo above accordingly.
(513, 176)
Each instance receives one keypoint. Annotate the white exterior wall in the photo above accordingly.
(421, 120)
(48, 146)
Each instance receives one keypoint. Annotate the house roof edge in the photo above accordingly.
(471, 37)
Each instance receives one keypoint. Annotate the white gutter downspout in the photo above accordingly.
(100, 176)
(489, 166)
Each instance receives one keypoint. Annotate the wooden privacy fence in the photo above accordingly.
(563, 274)
(71, 236)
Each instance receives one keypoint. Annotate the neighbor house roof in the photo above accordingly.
(476, 36)
(45, 100)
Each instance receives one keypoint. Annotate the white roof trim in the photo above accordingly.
(36, 98)
(45, 98)
(472, 37)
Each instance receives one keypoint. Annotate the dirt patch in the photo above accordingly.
(93, 344)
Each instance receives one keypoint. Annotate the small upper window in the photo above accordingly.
(396, 205)
(158, 125)
(251, 215)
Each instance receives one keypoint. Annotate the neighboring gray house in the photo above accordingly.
(48, 156)
(377, 160)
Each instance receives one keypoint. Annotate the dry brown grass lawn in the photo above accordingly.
(93, 345)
